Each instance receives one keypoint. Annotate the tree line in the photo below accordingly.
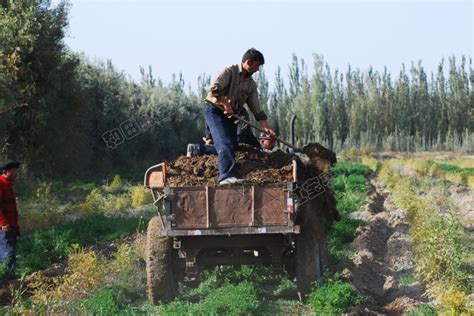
(65, 116)
(412, 111)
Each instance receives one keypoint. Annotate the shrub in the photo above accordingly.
(115, 185)
(140, 196)
(94, 203)
(85, 273)
(105, 302)
(334, 298)
(119, 203)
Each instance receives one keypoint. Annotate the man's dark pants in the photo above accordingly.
(224, 135)
(8, 249)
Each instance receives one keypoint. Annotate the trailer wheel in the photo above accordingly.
(309, 258)
(161, 284)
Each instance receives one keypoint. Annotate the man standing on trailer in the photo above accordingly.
(233, 87)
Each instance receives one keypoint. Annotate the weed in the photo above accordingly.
(104, 302)
(3, 271)
(120, 203)
(116, 185)
(286, 285)
(341, 234)
(334, 298)
(407, 279)
(140, 196)
(423, 310)
(348, 168)
(43, 248)
(94, 203)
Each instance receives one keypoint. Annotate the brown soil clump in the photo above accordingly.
(254, 166)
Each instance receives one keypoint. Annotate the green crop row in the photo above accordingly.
(438, 241)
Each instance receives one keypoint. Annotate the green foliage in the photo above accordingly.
(348, 168)
(105, 302)
(349, 202)
(227, 290)
(407, 279)
(42, 248)
(423, 310)
(78, 185)
(456, 169)
(333, 298)
(438, 240)
(94, 203)
(350, 188)
(140, 196)
(115, 185)
(3, 271)
(342, 233)
(228, 299)
(231, 300)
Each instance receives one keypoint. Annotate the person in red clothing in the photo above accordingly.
(8, 215)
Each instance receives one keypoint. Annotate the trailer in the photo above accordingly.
(198, 227)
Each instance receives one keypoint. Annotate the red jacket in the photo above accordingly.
(8, 211)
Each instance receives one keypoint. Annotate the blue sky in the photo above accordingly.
(195, 37)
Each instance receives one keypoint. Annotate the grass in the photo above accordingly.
(43, 248)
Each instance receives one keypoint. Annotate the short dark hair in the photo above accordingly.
(253, 55)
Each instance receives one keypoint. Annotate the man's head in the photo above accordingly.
(9, 170)
(266, 142)
(252, 60)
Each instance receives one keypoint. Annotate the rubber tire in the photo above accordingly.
(310, 248)
(161, 284)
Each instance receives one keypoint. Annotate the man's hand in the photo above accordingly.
(268, 130)
(226, 103)
(6, 228)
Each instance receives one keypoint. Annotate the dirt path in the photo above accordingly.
(382, 255)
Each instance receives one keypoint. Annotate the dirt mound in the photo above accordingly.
(252, 165)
